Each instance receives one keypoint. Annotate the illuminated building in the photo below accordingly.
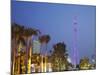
(36, 46)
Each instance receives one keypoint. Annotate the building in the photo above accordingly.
(36, 47)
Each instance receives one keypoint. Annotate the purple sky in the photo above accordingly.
(57, 21)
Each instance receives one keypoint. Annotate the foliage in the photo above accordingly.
(59, 57)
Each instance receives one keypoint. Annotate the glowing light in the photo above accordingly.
(41, 63)
(69, 59)
(29, 60)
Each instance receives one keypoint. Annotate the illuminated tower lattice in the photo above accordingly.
(75, 50)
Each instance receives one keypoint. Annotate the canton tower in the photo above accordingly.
(75, 49)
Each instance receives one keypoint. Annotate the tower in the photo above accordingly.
(75, 50)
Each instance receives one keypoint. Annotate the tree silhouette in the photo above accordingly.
(59, 57)
(23, 35)
(16, 31)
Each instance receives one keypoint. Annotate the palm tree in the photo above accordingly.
(29, 32)
(19, 32)
(44, 39)
(16, 30)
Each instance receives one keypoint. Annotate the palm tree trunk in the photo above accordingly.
(13, 58)
(19, 55)
(29, 59)
(41, 56)
(26, 62)
(46, 59)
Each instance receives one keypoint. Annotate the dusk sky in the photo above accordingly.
(57, 21)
